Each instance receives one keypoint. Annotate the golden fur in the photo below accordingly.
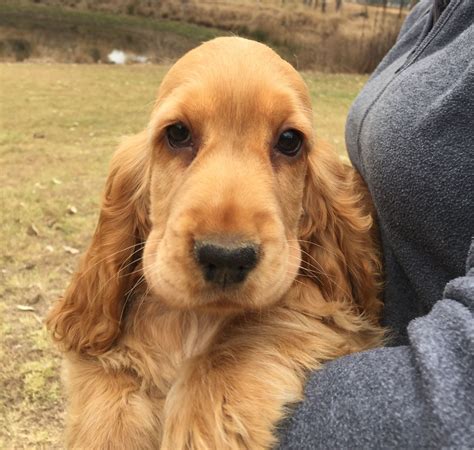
(154, 356)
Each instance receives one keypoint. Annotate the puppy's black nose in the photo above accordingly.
(225, 264)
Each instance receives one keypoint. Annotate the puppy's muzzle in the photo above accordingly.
(226, 263)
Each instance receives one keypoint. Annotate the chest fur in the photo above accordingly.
(158, 343)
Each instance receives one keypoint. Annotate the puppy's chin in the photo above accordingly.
(217, 301)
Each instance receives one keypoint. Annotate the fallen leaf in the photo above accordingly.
(33, 230)
(49, 248)
(25, 308)
(71, 209)
(39, 135)
(71, 250)
(56, 181)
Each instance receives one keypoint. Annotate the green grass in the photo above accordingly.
(332, 97)
(59, 125)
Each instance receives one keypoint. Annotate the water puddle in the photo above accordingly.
(121, 57)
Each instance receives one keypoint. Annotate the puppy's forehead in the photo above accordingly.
(232, 77)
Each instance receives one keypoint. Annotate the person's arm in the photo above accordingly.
(415, 396)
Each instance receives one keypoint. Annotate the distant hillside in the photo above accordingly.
(352, 39)
(65, 35)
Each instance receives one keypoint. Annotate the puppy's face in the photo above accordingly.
(230, 134)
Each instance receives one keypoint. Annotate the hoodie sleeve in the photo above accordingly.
(416, 396)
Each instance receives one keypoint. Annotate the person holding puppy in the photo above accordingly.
(410, 134)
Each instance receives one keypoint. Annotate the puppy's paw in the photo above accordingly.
(206, 410)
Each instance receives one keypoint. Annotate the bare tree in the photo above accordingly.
(338, 5)
(402, 5)
(323, 6)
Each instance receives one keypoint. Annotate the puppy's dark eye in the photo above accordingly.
(289, 142)
(178, 135)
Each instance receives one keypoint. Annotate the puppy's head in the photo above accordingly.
(220, 203)
(229, 140)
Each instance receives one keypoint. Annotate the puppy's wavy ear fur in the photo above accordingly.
(337, 234)
(87, 318)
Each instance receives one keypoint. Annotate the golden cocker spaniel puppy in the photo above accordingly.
(232, 256)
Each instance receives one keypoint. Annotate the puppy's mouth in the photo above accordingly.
(222, 305)
(219, 273)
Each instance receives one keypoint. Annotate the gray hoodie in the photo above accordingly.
(410, 134)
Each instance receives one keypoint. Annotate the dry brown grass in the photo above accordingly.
(351, 40)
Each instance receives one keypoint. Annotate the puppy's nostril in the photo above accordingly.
(225, 264)
(210, 270)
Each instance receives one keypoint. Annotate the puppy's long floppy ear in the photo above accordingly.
(337, 237)
(87, 318)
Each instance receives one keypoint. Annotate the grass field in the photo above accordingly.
(59, 125)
